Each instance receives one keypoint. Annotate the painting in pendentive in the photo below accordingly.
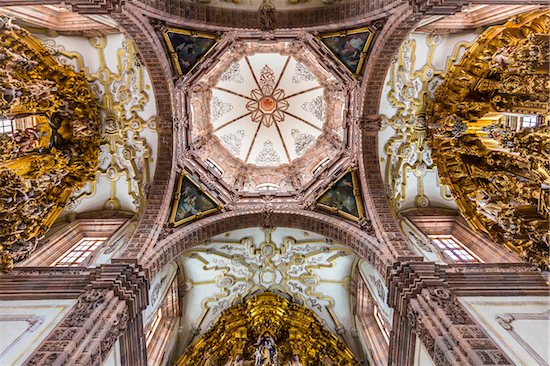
(349, 47)
(191, 202)
(343, 197)
(188, 48)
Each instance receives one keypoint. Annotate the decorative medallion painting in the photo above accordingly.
(349, 47)
(188, 48)
(191, 201)
(343, 197)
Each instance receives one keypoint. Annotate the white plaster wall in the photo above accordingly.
(94, 196)
(420, 67)
(113, 359)
(377, 288)
(420, 243)
(421, 356)
(158, 290)
(25, 324)
(528, 338)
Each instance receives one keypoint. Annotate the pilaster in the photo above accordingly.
(110, 299)
(424, 296)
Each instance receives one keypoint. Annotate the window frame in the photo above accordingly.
(446, 249)
(80, 257)
(6, 122)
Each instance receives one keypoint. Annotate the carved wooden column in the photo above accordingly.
(425, 298)
(110, 299)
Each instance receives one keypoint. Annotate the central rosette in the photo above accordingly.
(267, 103)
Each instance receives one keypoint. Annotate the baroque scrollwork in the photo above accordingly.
(128, 115)
(407, 164)
(498, 167)
(52, 147)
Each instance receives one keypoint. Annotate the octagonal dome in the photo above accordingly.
(267, 109)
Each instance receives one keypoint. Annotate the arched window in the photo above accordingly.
(454, 249)
(267, 188)
(77, 255)
(215, 167)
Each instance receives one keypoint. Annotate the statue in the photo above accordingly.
(266, 352)
(267, 15)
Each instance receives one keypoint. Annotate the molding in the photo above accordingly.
(426, 296)
(109, 298)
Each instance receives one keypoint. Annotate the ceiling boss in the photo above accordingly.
(268, 104)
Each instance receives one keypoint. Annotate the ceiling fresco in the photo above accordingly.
(343, 197)
(187, 48)
(349, 47)
(191, 201)
(306, 266)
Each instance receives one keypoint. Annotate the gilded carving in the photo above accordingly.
(124, 97)
(268, 330)
(498, 167)
(48, 155)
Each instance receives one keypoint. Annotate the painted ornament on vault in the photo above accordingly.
(275, 101)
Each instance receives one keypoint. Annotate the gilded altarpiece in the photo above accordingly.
(268, 330)
(499, 173)
(53, 153)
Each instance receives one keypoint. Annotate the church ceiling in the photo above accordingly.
(472, 17)
(267, 109)
(187, 48)
(306, 266)
(52, 142)
(349, 47)
(59, 19)
(191, 201)
(489, 127)
(343, 197)
(268, 329)
(253, 5)
(121, 86)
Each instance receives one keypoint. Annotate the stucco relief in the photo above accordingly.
(406, 159)
(128, 113)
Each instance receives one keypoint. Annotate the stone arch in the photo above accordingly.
(138, 28)
(385, 48)
(337, 15)
(364, 245)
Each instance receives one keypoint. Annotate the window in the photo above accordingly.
(453, 249)
(528, 121)
(381, 323)
(267, 188)
(79, 252)
(215, 167)
(320, 166)
(6, 126)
